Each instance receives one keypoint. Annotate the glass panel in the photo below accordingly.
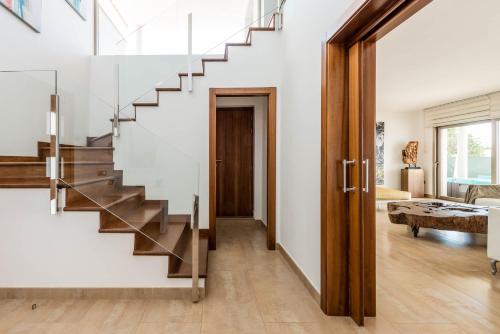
(465, 157)
(25, 97)
(140, 183)
(25, 106)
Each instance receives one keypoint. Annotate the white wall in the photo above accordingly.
(267, 7)
(111, 40)
(400, 128)
(305, 27)
(260, 148)
(40, 250)
(64, 44)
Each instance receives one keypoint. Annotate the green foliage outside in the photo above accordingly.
(475, 148)
(479, 163)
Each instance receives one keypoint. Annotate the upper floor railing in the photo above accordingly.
(134, 29)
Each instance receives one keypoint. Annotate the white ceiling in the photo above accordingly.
(448, 51)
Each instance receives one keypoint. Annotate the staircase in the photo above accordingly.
(92, 184)
(204, 61)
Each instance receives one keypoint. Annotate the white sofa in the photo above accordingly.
(492, 202)
(493, 235)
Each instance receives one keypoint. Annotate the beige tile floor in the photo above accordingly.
(435, 284)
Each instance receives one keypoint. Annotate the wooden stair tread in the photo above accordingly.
(168, 89)
(238, 44)
(261, 29)
(124, 119)
(145, 104)
(195, 74)
(214, 59)
(183, 270)
(105, 201)
(167, 240)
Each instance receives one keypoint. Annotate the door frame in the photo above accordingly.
(234, 109)
(270, 92)
(371, 21)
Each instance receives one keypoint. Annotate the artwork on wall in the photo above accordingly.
(379, 153)
(80, 7)
(28, 11)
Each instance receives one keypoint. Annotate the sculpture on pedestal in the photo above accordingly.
(410, 154)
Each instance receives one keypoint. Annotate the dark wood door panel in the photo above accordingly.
(234, 158)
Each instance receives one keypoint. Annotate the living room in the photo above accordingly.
(437, 168)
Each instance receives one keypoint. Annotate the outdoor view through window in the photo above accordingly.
(465, 157)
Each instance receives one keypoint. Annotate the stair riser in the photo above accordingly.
(174, 262)
(104, 155)
(150, 231)
(84, 172)
(36, 182)
(111, 219)
(80, 194)
(23, 171)
(129, 203)
(177, 267)
(71, 172)
(92, 200)
(147, 242)
(102, 142)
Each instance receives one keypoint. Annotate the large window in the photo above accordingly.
(465, 155)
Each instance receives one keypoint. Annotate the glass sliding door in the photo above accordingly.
(465, 154)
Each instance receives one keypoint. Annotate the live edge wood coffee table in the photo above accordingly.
(441, 216)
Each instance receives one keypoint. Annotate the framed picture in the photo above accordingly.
(379, 152)
(79, 6)
(28, 11)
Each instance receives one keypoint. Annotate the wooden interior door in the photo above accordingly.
(235, 159)
(354, 179)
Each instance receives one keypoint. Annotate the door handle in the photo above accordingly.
(344, 164)
(218, 161)
(366, 188)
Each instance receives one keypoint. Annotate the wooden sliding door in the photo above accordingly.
(354, 180)
(348, 281)
(348, 196)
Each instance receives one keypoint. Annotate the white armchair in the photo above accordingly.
(494, 237)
